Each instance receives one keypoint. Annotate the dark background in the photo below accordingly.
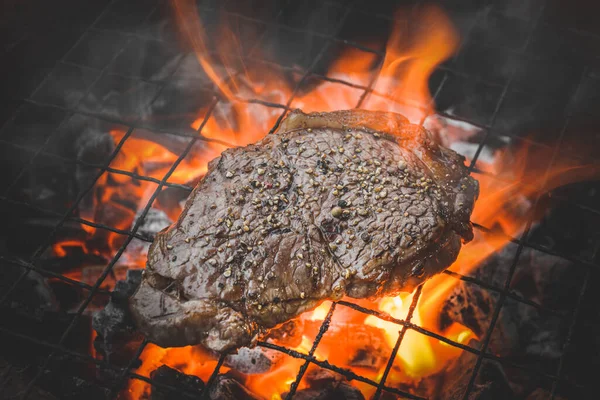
(525, 67)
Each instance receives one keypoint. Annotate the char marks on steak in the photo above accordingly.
(354, 203)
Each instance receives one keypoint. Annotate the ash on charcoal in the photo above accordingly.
(154, 221)
(326, 385)
(257, 360)
(114, 325)
(491, 382)
(177, 384)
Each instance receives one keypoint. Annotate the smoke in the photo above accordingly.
(135, 66)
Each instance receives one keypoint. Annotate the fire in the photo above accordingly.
(405, 73)
(400, 84)
(191, 360)
(415, 363)
(60, 249)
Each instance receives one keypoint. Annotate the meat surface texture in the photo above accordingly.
(347, 203)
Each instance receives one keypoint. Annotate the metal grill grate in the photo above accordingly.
(403, 325)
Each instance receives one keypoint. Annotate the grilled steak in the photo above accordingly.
(354, 203)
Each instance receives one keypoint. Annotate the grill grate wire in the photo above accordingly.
(195, 136)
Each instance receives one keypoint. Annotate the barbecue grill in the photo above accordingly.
(482, 97)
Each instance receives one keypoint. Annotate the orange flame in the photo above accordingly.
(400, 85)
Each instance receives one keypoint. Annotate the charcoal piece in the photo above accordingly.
(313, 394)
(366, 345)
(321, 378)
(262, 238)
(345, 391)
(288, 334)
(227, 388)
(539, 334)
(521, 330)
(549, 280)
(114, 325)
(324, 384)
(253, 361)
(491, 382)
(178, 385)
(154, 221)
(469, 305)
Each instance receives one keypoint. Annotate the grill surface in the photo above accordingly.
(535, 21)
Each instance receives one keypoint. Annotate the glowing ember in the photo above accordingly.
(401, 85)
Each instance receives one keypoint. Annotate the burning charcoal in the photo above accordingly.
(181, 383)
(348, 392)
(289, 334)
(253, 361)
(114, 324)
(491, 382)
(367, 345)
(320, 378)
(227, 388)
(469, 305)
(326, 385)
(520, 329)
(313, 394)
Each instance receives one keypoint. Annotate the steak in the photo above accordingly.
(347, 203)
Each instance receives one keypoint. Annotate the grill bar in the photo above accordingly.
(322, 329)
(162, 183)
(503, 294)
(326, 365)
(401, 334)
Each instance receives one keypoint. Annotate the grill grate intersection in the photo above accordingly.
(404, 325)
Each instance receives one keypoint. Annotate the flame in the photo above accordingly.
(415, 354)
(399, 84)
(61, 248)
(191, 360)
(405, 73)
(504, 206)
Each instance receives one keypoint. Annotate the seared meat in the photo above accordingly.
(354, 203)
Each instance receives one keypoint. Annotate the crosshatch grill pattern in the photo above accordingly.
(403, 325)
